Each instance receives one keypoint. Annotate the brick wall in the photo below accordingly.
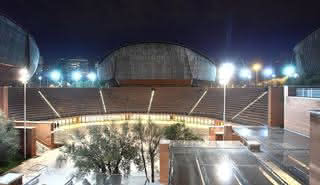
(297, 115)
(275, 107)
(315, 149)
(4, 100)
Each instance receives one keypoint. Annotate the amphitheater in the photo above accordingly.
(170, 83)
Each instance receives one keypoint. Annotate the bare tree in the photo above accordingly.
(149, 134)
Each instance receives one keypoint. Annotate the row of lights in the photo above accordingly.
(76, 76)
(226, 71)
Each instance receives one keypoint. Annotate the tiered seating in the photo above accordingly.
(37, 108)
(237, 99)
(177, 100)
(180, 100)
(74, 101)
(127, 99)
(256, 114)
(211, 105)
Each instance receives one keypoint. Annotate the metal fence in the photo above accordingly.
(308, 92)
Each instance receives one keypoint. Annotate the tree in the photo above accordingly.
(9, 145)
(149, 134)
(179, 131)
(104, 150)
(140, 131)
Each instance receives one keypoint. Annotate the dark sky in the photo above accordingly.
(218, 28)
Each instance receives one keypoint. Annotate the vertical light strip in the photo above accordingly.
(150, 101)
(196, 104)
(52, 108)
(102, 100)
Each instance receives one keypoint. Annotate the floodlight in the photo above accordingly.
(76, 75)
(24, 75)
(289, 70)
(268, 72)
(55, 75)
(226, 71)
(92, 76)
(245, 73)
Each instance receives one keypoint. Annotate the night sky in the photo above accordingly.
(221, 29)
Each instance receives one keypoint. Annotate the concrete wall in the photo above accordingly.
(296, 113)
(156, 61)
(17, 50)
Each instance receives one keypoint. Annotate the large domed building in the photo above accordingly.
(18, 49)
(156, 64)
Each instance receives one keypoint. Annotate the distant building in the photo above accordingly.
(68, 65)
(307, 54)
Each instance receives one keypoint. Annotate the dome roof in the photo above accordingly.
(157, 62)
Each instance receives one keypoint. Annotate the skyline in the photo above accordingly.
(247, 30)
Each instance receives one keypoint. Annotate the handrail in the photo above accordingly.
(43, 142)
(69, 182)
(250, 104)
(32, 182)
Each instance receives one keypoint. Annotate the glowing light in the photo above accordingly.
(267, 72)
(40, 78)
(55, 75)
(76, 75)
(226, 71)
(92, 76)
(245, 73)
(289, 71)
(24, 75)
(224, 171)
(257, 67)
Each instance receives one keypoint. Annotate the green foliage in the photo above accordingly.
(103, 150)
(9, 145)
(179, 131)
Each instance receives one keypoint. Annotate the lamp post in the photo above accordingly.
(226, 71)
(55, 76)
(245, 74)
(76, 77)
(92, 77)
(256, 68)
(40, 79)
(24, 77)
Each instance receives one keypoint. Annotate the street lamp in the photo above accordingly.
(55, 75)
(268, 72)
(245, 74)
(289, 71)
(40, 79)
(76, 75)
(256, 68)
(24, 77)
(92, 77)
(226, 71)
